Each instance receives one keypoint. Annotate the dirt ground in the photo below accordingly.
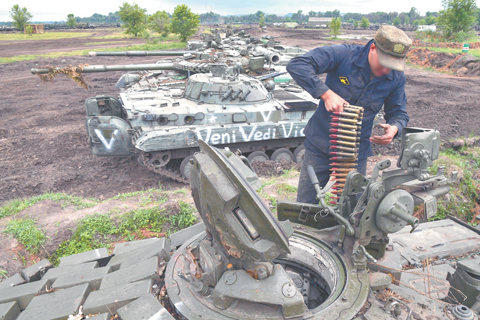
(10, 48)
(43, 141)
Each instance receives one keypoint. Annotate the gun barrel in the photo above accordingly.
(104, 68)
(269, 55)
(140, 53)
(271, 75)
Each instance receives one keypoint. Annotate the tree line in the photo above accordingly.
(455, 20)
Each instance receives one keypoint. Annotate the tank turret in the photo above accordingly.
(241, 262)
(222, 107)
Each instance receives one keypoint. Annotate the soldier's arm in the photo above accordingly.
(306, 68)
(396, 107)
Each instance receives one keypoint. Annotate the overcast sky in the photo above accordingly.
(55, 10)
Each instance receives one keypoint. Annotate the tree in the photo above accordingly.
(355, 24)
(71, 22)
(99, 18)
(457, 16)
(298, 17)
(416, 22)
(430, 20)
(334, 14)
(20, 16)
(210, 17)
(261, 22)
(413, 14)
(406, 20)
(396, 21)
(365, 23)
(335, 26)
(312, 13)
(133, 18)
(184, 22)
(29, 30)
(159, 22)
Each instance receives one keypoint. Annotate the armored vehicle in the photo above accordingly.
(238, 48)
(163, 122)
(241, 262)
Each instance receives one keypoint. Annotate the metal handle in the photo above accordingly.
(411, 220)
(312, 175)
(392, 302)
(321, 197)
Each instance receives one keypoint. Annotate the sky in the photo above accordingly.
(57, 10)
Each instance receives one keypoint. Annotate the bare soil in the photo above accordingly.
(58, 223)
(43, 141)
(32, 47)
(460, 64)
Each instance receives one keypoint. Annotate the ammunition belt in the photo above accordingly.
(345, 132)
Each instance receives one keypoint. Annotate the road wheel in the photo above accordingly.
(298, 154)
(186, 167)
(282, 154)
(159, 159)
(259, 156)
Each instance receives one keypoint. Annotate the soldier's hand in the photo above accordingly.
(333, 102)
(390, 132)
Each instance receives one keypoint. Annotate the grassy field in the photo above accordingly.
(121, 35)
(102, 223)
(473, 52)
(143, 47)
(463, 201)
(116, 35)
(102, 42)
(429, 69)
(43, 36)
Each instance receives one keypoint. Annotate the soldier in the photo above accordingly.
(368, 76)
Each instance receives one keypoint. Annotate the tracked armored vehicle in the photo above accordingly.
(327, 262)
(221, 108)
(163, 122)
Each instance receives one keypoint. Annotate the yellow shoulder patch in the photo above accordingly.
(344, 80)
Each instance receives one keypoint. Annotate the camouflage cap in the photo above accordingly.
(392, 44)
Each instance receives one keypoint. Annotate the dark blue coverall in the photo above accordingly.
(349, 76)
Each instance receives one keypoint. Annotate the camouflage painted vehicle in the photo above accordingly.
(241, 262)
(238, 48)
(256, 60)
(163, 119)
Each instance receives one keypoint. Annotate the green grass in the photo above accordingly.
(116, 35)
(150, 196)
(436, 37)
(465, 196)
(102, 42)
(27, 233)
(97, 230)
(429, 69)
(17, 205)
(185, 218)
(183, 191)
(333, 38)
(121, 35)
(142, 47)
(3, 274)
(287, 190)
(473, 52)
(43, 36)
(290, 173)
